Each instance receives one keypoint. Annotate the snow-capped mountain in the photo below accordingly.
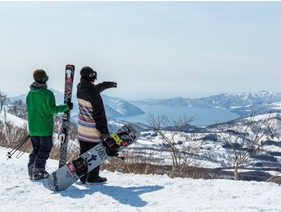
(225, 100)
(244, 104)
(126, 109)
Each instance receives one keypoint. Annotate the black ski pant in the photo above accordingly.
(94, 174)
(42, 146)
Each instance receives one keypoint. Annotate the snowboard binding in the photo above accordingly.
(111, 147)
(80, 166)
(117, 140)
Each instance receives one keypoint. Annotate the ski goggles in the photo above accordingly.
(45, 79)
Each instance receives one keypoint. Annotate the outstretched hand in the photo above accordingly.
(112, 84)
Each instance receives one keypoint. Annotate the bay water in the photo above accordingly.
(201, 116)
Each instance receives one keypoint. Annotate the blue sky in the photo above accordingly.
(151, 49)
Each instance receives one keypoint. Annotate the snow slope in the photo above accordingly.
(14, 120)
(130, 192)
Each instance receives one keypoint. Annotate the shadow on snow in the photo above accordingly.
(124, 195)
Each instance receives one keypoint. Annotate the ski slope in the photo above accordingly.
(130, 192)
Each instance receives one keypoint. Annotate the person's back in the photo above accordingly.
(91, 119)
(40, 106)
(40, 120)
(92, 123)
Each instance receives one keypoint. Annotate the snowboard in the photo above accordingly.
(63, 135)
(68, 174)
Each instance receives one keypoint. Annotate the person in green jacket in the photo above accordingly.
(41, 106)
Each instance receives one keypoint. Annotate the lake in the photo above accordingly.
(202, 116)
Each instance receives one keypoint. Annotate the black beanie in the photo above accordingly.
(88, 73)
(39, 75)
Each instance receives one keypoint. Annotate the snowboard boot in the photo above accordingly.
(98, 180)
(39, 173)
(30, 170)
(83, 179)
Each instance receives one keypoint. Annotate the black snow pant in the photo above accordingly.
(94, 174)
(42, 146)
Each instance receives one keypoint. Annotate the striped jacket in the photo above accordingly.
(92, 121)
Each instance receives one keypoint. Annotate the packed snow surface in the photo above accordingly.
(131, 192)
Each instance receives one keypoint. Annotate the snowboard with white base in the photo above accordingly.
(68, 174)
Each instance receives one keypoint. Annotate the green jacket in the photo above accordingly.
(40, 106)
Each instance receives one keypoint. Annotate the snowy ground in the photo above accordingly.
(129, 192)
(14, 120)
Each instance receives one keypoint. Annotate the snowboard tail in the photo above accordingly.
(65, 176)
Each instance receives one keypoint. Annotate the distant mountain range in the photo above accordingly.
(244, 104)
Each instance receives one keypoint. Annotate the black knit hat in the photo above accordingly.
(40, 76)
(88, 73)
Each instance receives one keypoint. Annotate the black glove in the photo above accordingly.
(112, 84)
(105, 136)
(70, 105)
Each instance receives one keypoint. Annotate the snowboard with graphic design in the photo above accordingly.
(68, 174)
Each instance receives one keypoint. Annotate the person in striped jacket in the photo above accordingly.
(92, 122)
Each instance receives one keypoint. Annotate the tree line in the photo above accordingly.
(16, 107)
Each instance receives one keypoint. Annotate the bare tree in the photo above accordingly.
(3, 99)
(170, 131)
(18, 109)
(247, 138)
